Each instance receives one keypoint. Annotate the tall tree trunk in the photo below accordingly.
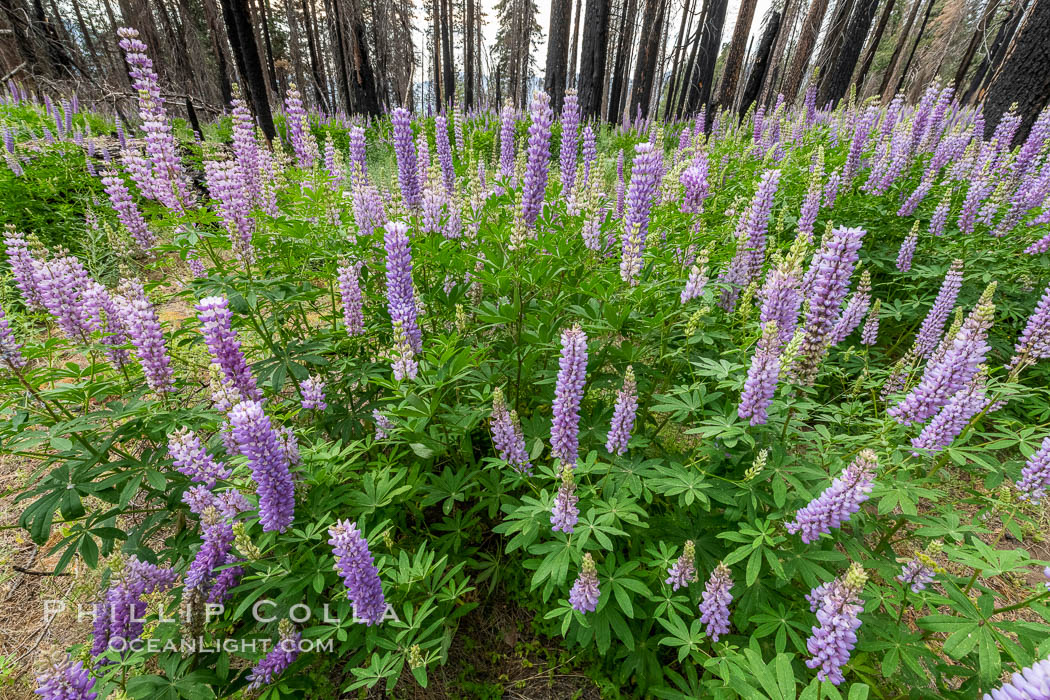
(22, 31)
(807, 39)
(295, 50)
(1023, 76)
(88, 41)
(623, 50)
(211, 20)
(763, 62)
(468, 56)
(271, 68)
(557, 52)
(364, 95)
(575, 45)
(773, 73)
(829, 49)
(889, 77)
(45, 29)
(315, 64)
(873, 44)
(338, 40)
(995, 54)
(701, 86)
(648, 53)
(593, 58)
(975, 41)
(914, 46)
(237, 15)
(435, 12)
(680, 44)
(735, 58)
(448, 65)
(836, 81)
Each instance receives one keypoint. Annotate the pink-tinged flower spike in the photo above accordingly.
(714, 610)
(537, 158)
(831, 189)
(683, 571)
(281, 655)
(929, 335)
(645, 181)
(584, 594)
(907, 250)
(811, 204)
(781, 295)
(831, 270)
(61, 284)
(246, 148)
(401, 300)
(570, 127)
(68, 680)
(10, 349)
(1034, 342)
(298, 127)
(127, 211)
(225, 347)
(762, 377)
(358, 150)
(568, 393)
(854, 312)
(590, 152)
(951, 420)
(313, 394)
(24, 267)
(506, 142)
(139, 317)
(444, 153)
(623, 415)
(403, 362)
(355, 565)
(564, 513)
(698, 279)
(919, 571)
(404, 149)
(368, 208)
(349, 277)
(751, 240)
(192, 460)
(621, 186)
(1032, 683)
(839, 501)
(506, 434)
(695, 184)
(259, 443)
(953, 370)
(227, 187)
(1035, 477)
(870, 333)
(837, 605)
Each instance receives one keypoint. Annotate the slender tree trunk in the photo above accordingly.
(807, 40)
(773, 73)
(873, 44)
(88, 41)
(238, 26)
(294, 46)
(448, 65)
(468, 55)
(710, 42)
(211, 21)
(889, 77)
(364, 94)
(763, 62)
(836, 81)
(623, 50)
(271, 68)
(315, 63)
(435, 11)
(574, 47)
(557, 52)
(1023, 77)
(829, 50)
(678, 58)
(593, 58)
(975, 41)
(914, 46)
(648, 53)
(995, 54)
(737, 51)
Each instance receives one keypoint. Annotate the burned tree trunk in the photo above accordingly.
(557, 52)
(876, 39)
(978, 36)
(593, 57)
(836, 81)
(237, 16)
(648, 53)
(761, 67)
(735, 58)
(995, 54)
(1022, 77)
(807, 40)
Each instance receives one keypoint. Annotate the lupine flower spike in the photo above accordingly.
(355, 565)
(568, 393)
(565, 514)
(585, 593)
(683, 571)
(839, 501)
(714, 610)
(837, 605)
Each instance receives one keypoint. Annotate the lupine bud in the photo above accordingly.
(623, 415)
(837, 605)
(714, 610)
(907, 249)
(313, 394)
(854, 312)
(584, 594)
(870, 334)
(506, 434)
(839, 501)
(269, 461)
(403, 362)
(355, 565)
(1035, 477)
(568, 393)
(564, 513)
(683, 571)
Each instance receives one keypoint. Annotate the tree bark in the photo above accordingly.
(468, 55)
(593, 58)
(914, 46)
(315, 64)
(876, 39)
(363, 93)
(435, 11)
(677, 60)
(836, 81)
(575, 45)
(787, 22)
(238, 26)
(620, 65)
(557, 52)
(995, 54)
(735, 58)
(1022, 77)
(889, 77)
(763, 61)
(648, 55)
(975, 41)
(807, 40)
(712, 21)
(829, 51)
(447, 64)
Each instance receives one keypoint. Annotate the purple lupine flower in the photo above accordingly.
(68, 680)
(940, 215)
(119, 616)
(862, 130)
(506, 142)
(1035, 477)
(506, 434)
(127, 211)
(139, 318)
(831, 269)
(853, 314)
(907, 250)
(947, 374)
(216, 540)
(592, 229)
(355, 565)
(750, 236)
(811, 204)
(916, 574)
(383, 424)
(404, 149)
(257, 440)
(840, 500)
(762, 377)
(538, 157)
(277, 660)
(646, 171)
(570, 125)
(683, 571)
(349, 277)
(584, 594)
(621, 187)
(590, 152)
(1034, 341)
(694, 286)
(60, 284)
(298, 127)
(572, 375)
(403, 362)
(24, 267)
(929, 335)
(106, 318)
(564, 513)
(444, 153)
(401, 300)
(246, 148)
(1031, 683)
(332, 163)
(225, 347)
(831, 189)
(368, 208)
(227, 187)
(781, 298)
(623, 415)
(870, 333)
(837, 605)
(953, 418)
(191, 459)
(313, 394)
(695, 184)
(916, 197)
(358, 164)
(714, 610)
(10, 349)
(226, 580)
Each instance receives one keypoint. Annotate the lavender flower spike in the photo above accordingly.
(355, 565)
(192, 460)
(918, 572)
(564, 513)
(568, 394)
(257, 440)
(714, 610)
(584, 594)
(537, 158)
(68, 680)
(641, 193)
(762, 377)
(224, 345)
(869, 335)
(143, 327)
(929, 336)
(10, 349)
(1034, 343)
(839, 501)
(570, 126)
(349, 278)
(313, 394)
(837, 605)
(1032, 683)
(282, 655)
(951, 420)
(404, 149)
(506, 434)
(401, 300)
(683, 571)
(854, 312)
(1035, 477)
(623, 415)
